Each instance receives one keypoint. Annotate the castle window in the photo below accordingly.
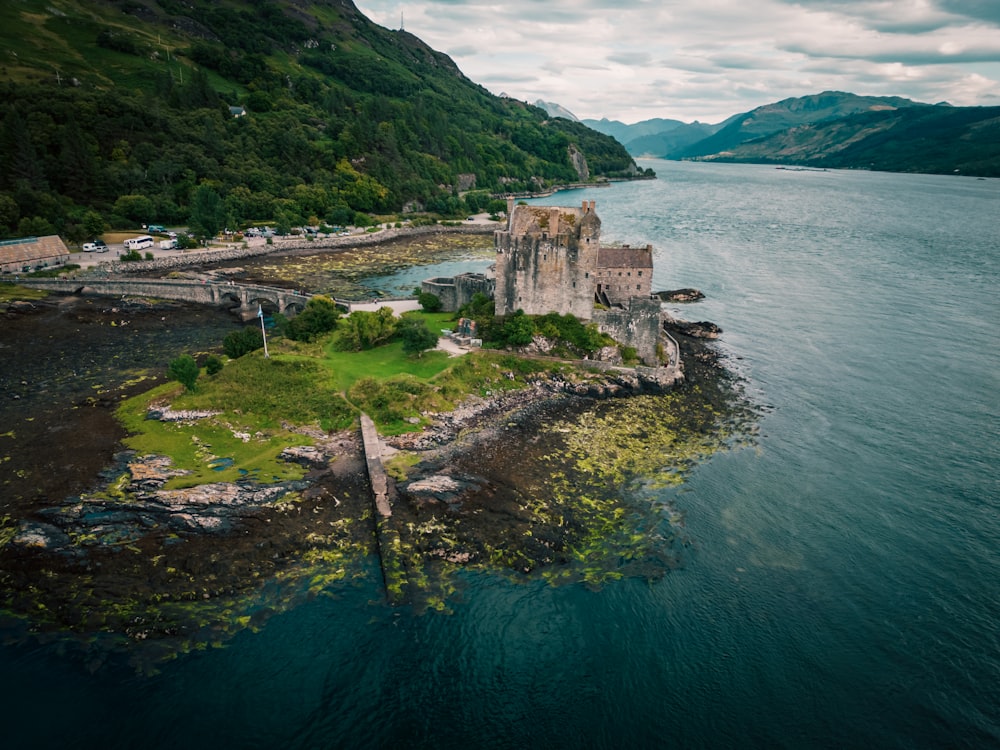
(640, 273)
(587, 275)
(638, 287)
(545, 256)
(629, 273)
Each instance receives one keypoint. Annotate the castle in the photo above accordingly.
(550, 259)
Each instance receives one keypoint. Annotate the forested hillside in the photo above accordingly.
(122, 112)
(935, 140)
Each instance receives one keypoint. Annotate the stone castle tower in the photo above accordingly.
(546, 260)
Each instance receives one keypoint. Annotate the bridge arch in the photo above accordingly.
(230, 298)
(293, 307)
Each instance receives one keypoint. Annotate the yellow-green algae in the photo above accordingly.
(583, 513)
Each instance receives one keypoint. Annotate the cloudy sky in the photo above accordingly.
(633, 60)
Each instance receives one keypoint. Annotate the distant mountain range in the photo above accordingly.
(831, 129)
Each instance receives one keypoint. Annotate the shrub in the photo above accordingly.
(243, 341)
(184, 370)
(430, 302)
(518, 329)
(629, 354)
(213, 364)
(416, 336)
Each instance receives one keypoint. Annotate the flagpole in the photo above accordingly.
(260, 314)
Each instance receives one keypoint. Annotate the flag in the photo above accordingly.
(260, 312)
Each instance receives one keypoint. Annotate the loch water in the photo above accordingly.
(842, 584)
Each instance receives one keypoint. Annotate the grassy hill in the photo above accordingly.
(117, 112)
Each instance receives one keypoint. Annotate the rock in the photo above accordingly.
(702, 329)
(39, 536)
(442, 488)
(680, 295)
(152, 472)
(304, 454)
(188, 415)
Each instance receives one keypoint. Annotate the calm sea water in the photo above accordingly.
(843, 589)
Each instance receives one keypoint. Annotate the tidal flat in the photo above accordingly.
(533, 487)
(342, 273)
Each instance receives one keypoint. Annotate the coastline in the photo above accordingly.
(465, 454)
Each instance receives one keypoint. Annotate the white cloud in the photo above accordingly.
(708, 59)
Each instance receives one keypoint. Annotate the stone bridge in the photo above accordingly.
(240, 297)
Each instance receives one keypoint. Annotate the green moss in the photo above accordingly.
(12, 292)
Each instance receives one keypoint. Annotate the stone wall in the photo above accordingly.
(443, 287)
(637, 325)
(546, 259)
(455, 291)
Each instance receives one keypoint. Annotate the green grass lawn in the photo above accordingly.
(308, 385)
(383, 362)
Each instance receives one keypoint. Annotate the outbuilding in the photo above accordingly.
(32, 254)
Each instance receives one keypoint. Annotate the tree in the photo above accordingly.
(184, 370)
(93, 224)
(136, 208)
(364, 330)
(9, 214)
(208, 212)
(319, 317)
(35, 226)
(416, 336)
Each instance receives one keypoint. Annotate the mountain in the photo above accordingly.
(772, 118)
(557, 110)
(942, 140)
(120, 112)
(686, 134)
(654, 137)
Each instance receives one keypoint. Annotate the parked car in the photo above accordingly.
(100, 246)
(89, 247)
(156, 229)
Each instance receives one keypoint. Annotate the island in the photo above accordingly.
(258, 480)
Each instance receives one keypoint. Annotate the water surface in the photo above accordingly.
(841, 588)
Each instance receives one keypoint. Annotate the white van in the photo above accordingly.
(139, 243)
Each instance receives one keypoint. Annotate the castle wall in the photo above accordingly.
(468, 285)
(637, 324)
(546, 260)
(623, 273)
(443, 287)
(458, 290)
